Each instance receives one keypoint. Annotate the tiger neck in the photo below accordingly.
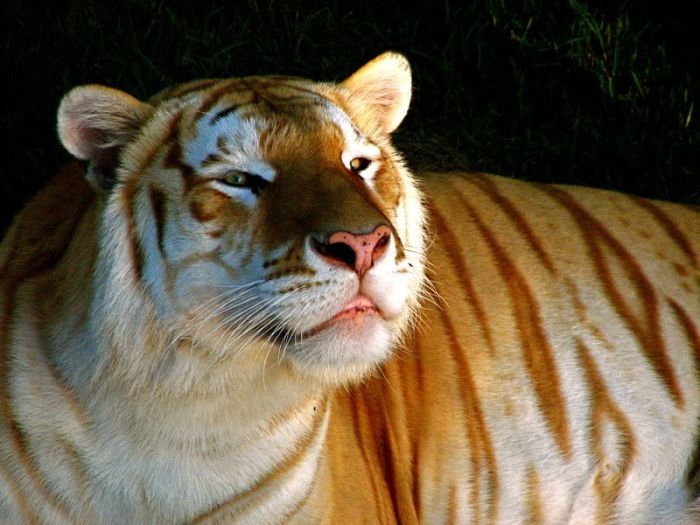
(250, 451)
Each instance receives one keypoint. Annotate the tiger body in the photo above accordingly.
(177, 345)
(582, 400)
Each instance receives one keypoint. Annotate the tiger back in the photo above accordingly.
(243, 308)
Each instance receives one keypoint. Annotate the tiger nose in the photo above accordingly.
(356, 251)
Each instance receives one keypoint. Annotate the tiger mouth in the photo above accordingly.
(355, 310)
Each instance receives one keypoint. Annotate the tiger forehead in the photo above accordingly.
(250, 120)
(209, 91)
(261, 95)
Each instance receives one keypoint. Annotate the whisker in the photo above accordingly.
(221, 307)
(250, 303)
(261, 312)
(205, 310)
(254, 313)
(242, 318)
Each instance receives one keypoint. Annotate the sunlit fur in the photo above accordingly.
(170, 352)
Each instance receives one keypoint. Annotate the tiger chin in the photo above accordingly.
(222, 314)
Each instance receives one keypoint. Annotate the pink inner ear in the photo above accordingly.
(88, 142)
(78, 138)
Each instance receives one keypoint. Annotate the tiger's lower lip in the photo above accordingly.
(355, 309)
(359, 304)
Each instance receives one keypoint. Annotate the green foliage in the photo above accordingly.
(550, 91)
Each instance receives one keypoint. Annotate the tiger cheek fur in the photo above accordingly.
(218, 321)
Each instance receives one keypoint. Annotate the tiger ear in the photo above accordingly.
(95, 123)
(384, 86)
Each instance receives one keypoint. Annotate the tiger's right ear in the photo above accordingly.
(95, 123)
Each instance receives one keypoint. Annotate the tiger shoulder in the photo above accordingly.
(241, 306)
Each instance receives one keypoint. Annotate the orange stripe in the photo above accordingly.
(136, 249)
(173, 160)
(477, 431)
(280, 470)
(387, 455)
(488, 186)
(171, 134)
(452, 505)
(671, 228)
(362, 427)
(648, 330)
(609, 478)
(450, 246)
(288, 517)
(537, 352)
(215, 94)
(533, 502)
(398, 439)
(420, 429)
(405, 370)
(691, 331)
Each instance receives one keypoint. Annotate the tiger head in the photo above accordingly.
(256, 213)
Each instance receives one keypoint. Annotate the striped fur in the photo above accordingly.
(173, 352)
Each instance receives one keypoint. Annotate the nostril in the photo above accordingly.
(338, 252)
(357, 251)
(342, 252)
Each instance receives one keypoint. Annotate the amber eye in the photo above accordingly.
(359, 164)
(242, 179)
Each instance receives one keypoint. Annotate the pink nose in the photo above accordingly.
(358, 252)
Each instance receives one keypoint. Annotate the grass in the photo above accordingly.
(549, 91)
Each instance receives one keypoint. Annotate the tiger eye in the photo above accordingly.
(359, 164)
(236, 178)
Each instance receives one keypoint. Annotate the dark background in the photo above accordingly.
(602, 94)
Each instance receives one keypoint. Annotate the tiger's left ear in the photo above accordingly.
(95, 123)
(384, 86)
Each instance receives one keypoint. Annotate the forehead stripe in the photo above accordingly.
(224, 113)
(174, 160)
(225, 87)
(216, 93)
(272, 101)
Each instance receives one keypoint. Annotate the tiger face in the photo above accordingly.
(264, 215)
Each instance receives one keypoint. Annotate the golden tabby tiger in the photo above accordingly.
(223, 316)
